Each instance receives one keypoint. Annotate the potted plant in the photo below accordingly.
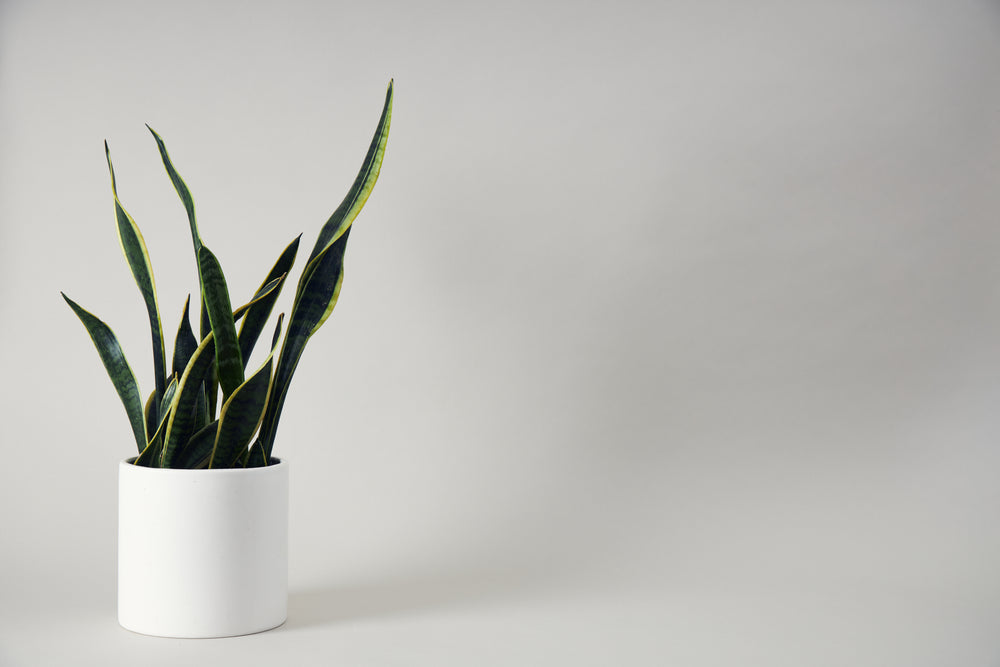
(203, 506)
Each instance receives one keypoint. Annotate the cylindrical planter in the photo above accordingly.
(202, 553)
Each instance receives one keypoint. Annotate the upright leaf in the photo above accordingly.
(150, 456)
(168, 396)
(118, 369)
(201, 415)
(185, 195)
(181, 188)
(314, 305)
(240, 416)
(184, 343)
(344, 215)
(220, 313)
(359, 192)
(151, 412)
(134, 248)
(181, 423)
(257, 316)
(198, 450)
(263, 293)
(321, 280)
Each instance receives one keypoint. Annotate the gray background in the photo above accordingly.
(669, 335)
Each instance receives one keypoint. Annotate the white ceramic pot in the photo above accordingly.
(202, 553)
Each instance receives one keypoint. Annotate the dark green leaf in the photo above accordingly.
(151, 413)
(182, 190)
(240, 416)
(134, 248)
(220, 313)
(319, 285)
(118, 369)
(255, 458)
(182, 411)
(313, 307)
(186, 199)
(257, 316)
(150, 455)
(185, 343)
(263, 293)
(201, 416)
(360, 190)
(168, 396)
(196, 453)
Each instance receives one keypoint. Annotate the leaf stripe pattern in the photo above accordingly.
(321, 280)
(134, 248)
(220, 314)
(118, 369)
(256, 317)
(182, 410)
(357, 196)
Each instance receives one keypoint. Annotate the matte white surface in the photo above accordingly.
(669, 336)
(202, 553)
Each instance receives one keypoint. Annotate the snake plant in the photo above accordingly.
(181, 423)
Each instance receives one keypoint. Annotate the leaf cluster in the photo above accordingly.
(208, 410)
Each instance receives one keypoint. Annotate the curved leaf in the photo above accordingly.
(185, 195)
(257, 316)
(181, 188)
(240, 416)
(220, 313)
(134, 248)
(356, 197)
(150, 455)
(184, 343)
(321, 280)
(168, 397)
(151, 412)
(254, 457)
(196, 453)
(261, 294)
(317, 300)
(118, 369)
(181, 423)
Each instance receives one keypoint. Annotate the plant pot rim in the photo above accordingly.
(276, 463)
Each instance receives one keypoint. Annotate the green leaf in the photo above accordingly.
(151, 412)
(181, 188)
(168, 396)
(150, 455)
(356, 197)
(184, 343)
(185, 195)
(201, 416)
(220, 313)
(134, 248)
(240, 416)
(181, 423)
(257, 316)
(254, 457)
(317, 300)
(196, 453)
(319, 286)
(118, 369)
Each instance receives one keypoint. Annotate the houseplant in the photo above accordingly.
(204, 477)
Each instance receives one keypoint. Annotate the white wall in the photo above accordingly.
(683, 311)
